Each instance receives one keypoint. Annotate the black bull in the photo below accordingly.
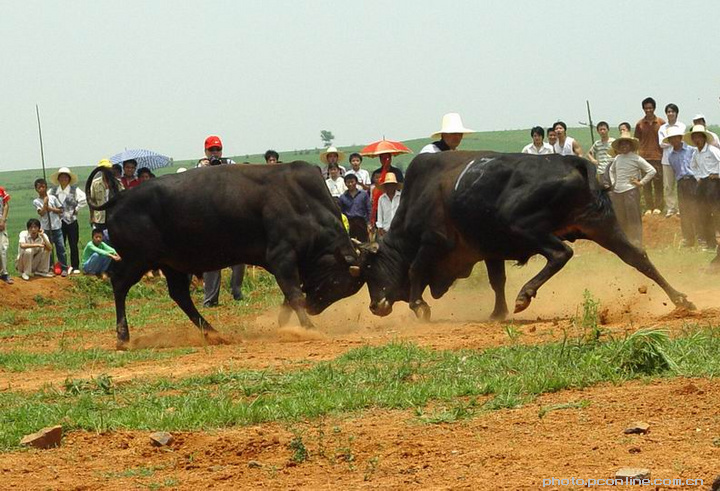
(279, 217)
(459, 208)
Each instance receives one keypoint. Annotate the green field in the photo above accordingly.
(19, 184)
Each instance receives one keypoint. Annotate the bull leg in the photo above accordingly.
(557, 254)
(179, 288)
(614, 240)
(122, 279)
(284, 315)
(288, 279)
(496, 275)
(419, 276)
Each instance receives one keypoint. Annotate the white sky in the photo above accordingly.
(262, 74)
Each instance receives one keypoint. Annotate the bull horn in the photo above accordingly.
(355, 241)
(355, 271)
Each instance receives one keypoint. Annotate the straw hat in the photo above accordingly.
(673, 131)
(451, 123)
(698, 128)
(624, 136)
(323, 156)
(105, 163)
(390, 178)
(63, 170)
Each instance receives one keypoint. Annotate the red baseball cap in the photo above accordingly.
(212, 141)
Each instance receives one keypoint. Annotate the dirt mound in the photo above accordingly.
(30, 294)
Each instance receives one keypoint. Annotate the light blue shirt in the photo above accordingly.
(680, 161)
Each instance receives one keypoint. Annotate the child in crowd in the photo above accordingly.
(33, 252)
(599, 153)
(4, 241)
(388, 203)
(363, 176)
(625, 127)
(335, 183)
(145, 174)
(355, 204)
(552, 138)
(97, 255)
(625, 173)
(50, 210)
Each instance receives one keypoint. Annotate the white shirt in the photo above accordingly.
(70, 208)
(363, 176)
(337, 187)
(545, 149)
(566, 149)
(629, 166)
(430, 148)
(662, 133)
(26, 238)
(706, 162)
(716, 140)
(386, 210)
(54, 222)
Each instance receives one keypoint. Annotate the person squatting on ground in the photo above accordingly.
(97, 255)
(50, 210)
(72, 199)
(34, 249)
(646, 131)
(706, 167)
(212, 279)
(356, 206)
(669, 181)
(625, 173)
(4, 241)
(679, 158)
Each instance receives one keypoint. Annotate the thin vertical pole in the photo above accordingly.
(42, 150)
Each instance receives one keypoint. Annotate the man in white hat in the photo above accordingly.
(706, 167)
(679, 158)
(388, 203)
(451, 134)
(625, 174)
(332, 155)
(72, 199)
(700, 119)
(671, 202)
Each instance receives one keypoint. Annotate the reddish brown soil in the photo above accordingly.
(508, 449)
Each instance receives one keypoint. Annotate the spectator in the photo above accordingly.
(212, 279)
(97, 256)
(451, 134)
(552, 138)
(128, 179)
(117, 170)
(33, 252)
(679, 158)
(335, 183)
(599, 153)
(669, 181)
(625, 127)
(565, 145)
(378, 176)
(355, 205)
(72, 199)
(538, 146)
(99, 194)
(625, 173)
(145, 174)
(363, 176)
(4, 241)
(700, 119)
(646, 131)
(388, 203)
(272, 157)
(50, 210)
(705, 165)
(332, 156)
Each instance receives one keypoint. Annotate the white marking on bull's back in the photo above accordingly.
(482, 161)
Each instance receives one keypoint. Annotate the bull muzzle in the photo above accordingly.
(381, 307)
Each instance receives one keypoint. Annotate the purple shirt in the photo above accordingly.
(680, 161)
(359, 206)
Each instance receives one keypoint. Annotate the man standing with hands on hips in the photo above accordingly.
(211, 279)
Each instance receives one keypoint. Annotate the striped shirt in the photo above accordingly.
(600, 152)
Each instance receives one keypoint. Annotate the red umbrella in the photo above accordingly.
(384, 146)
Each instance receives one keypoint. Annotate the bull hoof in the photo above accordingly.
(422, 312)
(121, 345)
(499, 315)
(522, 302)
(683, 302)
(214, 338)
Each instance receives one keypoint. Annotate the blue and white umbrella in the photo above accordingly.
(145, 158)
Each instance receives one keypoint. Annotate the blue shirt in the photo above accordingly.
(680, 161)
(359, 206)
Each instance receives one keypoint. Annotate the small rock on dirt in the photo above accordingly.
(254, 464)
(639, 428)
(642, 289)
(634, 450)
(46, 438)
(631, 473)
(161, 438)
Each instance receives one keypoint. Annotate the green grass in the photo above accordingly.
(395, 376)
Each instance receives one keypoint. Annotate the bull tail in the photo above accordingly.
(112, 182)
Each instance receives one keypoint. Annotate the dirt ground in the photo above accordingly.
(506, 449)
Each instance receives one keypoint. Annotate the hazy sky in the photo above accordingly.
(162, 75)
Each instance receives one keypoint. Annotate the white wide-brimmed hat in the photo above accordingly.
(673, 131)
(63, 170)
(451, 123)
(698, 116)
(323, 156)
(698, 128)
(624, 136)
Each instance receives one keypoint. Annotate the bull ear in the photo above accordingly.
(371, 247)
